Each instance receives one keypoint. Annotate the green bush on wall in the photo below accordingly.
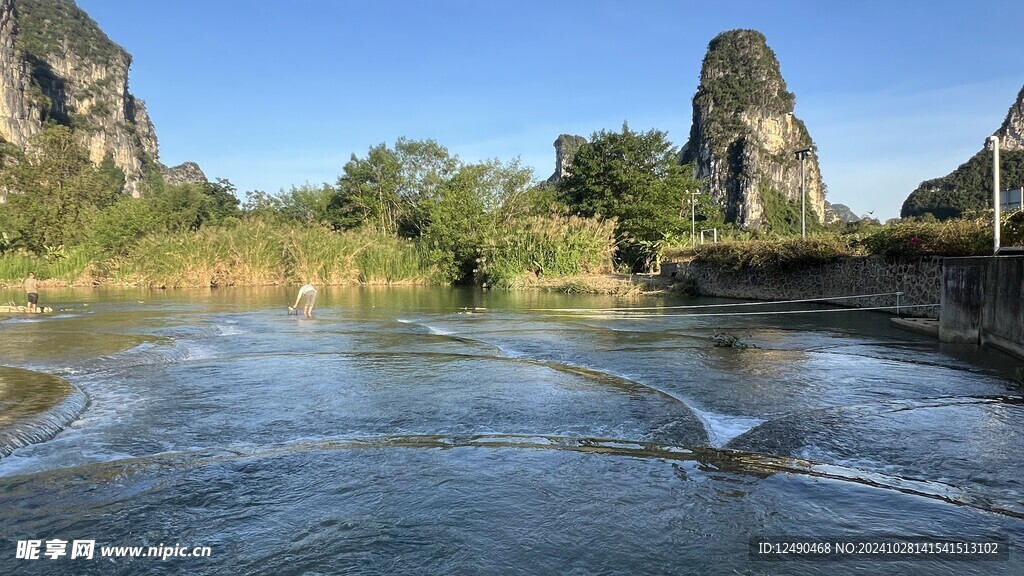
(909, 239)
(950, 238)
(791, 253)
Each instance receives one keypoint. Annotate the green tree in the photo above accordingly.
(783, 217)
(471, 206)
(55, 192)
(129, 219)
(386, 189)
(509, 192)
(426, 168)
(112, 181)
(262, 205)
(540, 199)
(183, 206)
(636, 178)
(367, 193)
(222, 203)
(456, 216)
(307, 203)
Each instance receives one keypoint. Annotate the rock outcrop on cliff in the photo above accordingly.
(56, 65)
(566, 146)
(968, 189)
(20, 105)
(744, 136)
(1011, 133)
(186, 173)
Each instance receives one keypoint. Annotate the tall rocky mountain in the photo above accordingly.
(566, 146)
(969, 187)
(56, 65)
(1011, 133)
(744, 136)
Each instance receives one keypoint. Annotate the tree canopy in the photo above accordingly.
(635, 178)
(54, 191)
(417, 189)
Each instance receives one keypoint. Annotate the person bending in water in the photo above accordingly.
(309, 292)
(32, 292)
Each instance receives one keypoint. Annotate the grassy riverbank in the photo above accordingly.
(626, 285)
(256, 252)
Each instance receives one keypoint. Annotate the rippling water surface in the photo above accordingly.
(443, 431)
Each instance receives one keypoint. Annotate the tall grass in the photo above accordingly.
(14, 266)
(317, 255)
(395, 260)
(549, 246)
(258, 253)
(72, 266)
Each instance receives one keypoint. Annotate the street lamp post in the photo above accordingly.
(802, 155)
(693, 219)
(994, 140)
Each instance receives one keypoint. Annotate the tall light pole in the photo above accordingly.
(994, 140)
(802, 155)
(693, 219)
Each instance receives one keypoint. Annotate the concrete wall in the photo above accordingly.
(962, 283)
(920, 281)
(983, 302)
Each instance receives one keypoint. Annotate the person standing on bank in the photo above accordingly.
(32, 292)
(309, 292)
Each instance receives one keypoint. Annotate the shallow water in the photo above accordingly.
(442, 431)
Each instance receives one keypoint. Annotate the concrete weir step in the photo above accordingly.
(929, 326)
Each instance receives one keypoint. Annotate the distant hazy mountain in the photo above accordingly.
(839, 213)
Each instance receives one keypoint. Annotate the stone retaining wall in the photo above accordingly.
(919, 279)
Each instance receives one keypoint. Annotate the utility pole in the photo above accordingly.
(802, 155)
(994, 140)
(693, 218)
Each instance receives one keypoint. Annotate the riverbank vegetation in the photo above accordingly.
(413, 213)
(910, 238)
(407, 213)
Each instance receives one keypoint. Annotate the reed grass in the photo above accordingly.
(258, 253)
(548, 246)
(73, 266)
(392, 260)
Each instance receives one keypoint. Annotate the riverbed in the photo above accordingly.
(454, 431)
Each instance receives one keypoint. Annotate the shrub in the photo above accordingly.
(773, 254)
(949, 238)
(1012, 232)
(907, 239)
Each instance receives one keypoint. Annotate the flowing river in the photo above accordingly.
(447, 431)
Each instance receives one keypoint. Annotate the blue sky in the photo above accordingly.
(274, 94)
